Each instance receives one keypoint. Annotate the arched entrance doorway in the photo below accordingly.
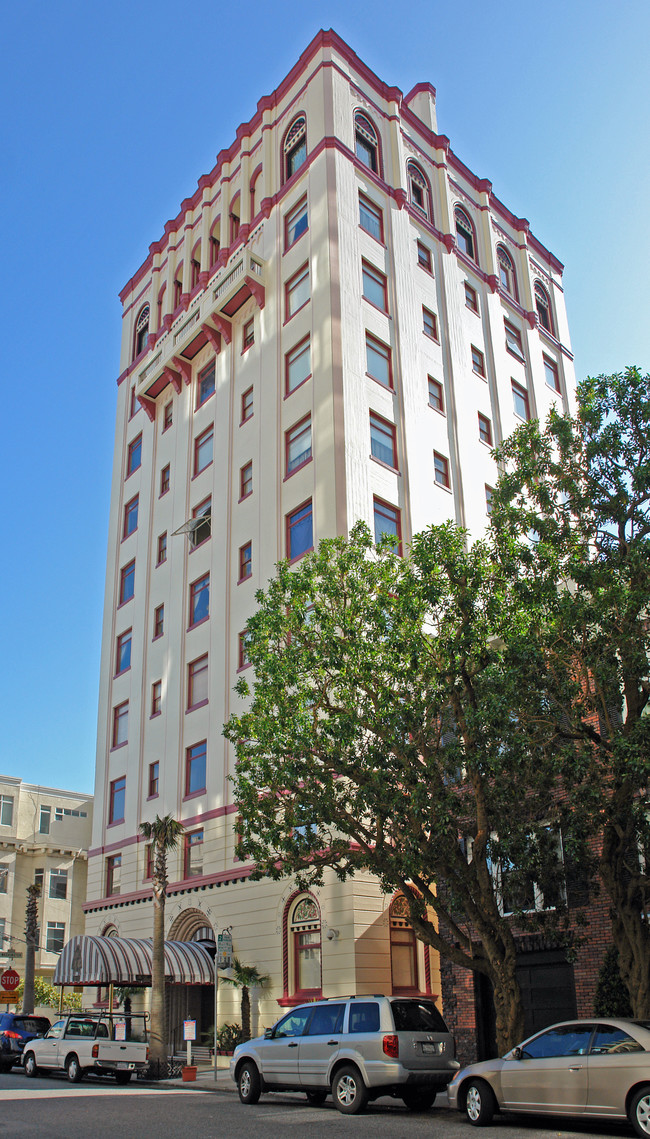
(190, 1002)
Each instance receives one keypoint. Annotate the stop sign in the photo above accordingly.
(9, 980)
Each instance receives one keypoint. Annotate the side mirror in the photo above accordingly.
(516, 1053)
(268, 1035)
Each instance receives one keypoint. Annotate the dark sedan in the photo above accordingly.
(15, 1030)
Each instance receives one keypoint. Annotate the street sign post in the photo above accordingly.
(9, 982)
(224, 949)
(189, 1034)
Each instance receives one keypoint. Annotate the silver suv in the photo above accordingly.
(358, 1048)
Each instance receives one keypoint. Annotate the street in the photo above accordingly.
(54, 1108)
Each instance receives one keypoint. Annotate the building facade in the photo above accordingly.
(339, 324)
(44, 838)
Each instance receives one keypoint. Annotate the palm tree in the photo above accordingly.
(31, 924)
(164, 835)
(246, 977)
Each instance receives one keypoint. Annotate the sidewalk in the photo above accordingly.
(205, 1081)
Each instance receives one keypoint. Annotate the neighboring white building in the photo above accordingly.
(338, 325)
(44, 838)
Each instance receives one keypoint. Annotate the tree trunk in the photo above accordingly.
(508, 1006)
(158, 1042)
(620, 869)
(245, 1013)
(31, 920)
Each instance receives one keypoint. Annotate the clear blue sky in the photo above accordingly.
(110, 114)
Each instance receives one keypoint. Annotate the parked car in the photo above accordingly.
(107, 1045)
(358, 1048)
(596, 1067)
(15, 1030)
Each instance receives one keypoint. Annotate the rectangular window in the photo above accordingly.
(429, 323)
(55, 937)
(203, 450)
(242, 651)
(4, 880)
(130, 517)
(478, 362)
(117, 800)
(246, 480)
(424, 257)
(245, 561)
(59, 884)
(197, 682)
(154, 779)
(298, 445)
(168, 415)
(6, 810)
(489, 499)
(195, 764)
(164, 480)
(552, 374)
(387, 521)
(202, 523)
(297, 291)
(161, 553)
(513, 341)
(471, 297)
(296, 223)
(436, 394)
(199, 599)
(441, 470)
(371, 218)
(158, 621)
(300, 531)
(148, 862)
(127, 582)
(156, 697)
(520, 400)
(120, 724)
(44, 820)
(374, 286)
(39, 877)
(194, 854)
(134, 455)
(298, 365)
(113, 874)
(205, 385)
(248, 334)
(123, 654)
(484, 429)
(378, 361)
(247, 405)
(383, 444)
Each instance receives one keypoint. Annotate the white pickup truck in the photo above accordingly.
(107, 1045)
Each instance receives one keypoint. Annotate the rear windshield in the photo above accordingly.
(417, 1016)
(32, 1023)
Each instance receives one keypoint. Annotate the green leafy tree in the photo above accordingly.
(383, 735)
(164, 834)
(612, 997)
(47, 996)
(572, 529)
(246, 977)
(31, 927)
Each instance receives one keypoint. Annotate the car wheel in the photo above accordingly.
(639, 1113)
(316, 1098)
(479, 1103)
(122, 1077)
(74, 1069)
(29, 1065)
(418, 1100)
(249, 1084)
(349, 1092)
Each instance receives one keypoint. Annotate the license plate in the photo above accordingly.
(428, 1049)
(123, 1064)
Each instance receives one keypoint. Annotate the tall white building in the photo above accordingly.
(338, 325)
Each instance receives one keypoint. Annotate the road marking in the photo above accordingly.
(64, 1092)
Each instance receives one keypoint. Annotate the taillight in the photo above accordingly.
(95, 1051)
(390, 1045)
(147, 1055)
(11, 1035)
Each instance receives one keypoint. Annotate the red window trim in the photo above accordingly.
(289, 214)
(201, 577)
(294, 427)
(427, 264)
(245, 418)
(242, 495)
(373, 206)
(380, 279)
(435, 337)
(246, 576)
(308, 502)
(389, 506)
(198, 440)
(199, 790)
(190, 682)
(393, 434)
(306, 340)
(293, 282)
(447, 469)
(375, 340)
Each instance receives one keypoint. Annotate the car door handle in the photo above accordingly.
(575, 1068)
(332, 1041)
(294, 1044)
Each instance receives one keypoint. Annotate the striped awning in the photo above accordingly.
(87, 960)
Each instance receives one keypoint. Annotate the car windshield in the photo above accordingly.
(417, 1016)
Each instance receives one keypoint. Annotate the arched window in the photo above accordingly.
(196, 265)
(141, 331)
(160, 303)
(543, 306)
(305, 936)
(419, 189)
(403, 948)
(215, 243)
(256, 192)
(178, 285)
(295, 147)
(465, 233)
(506, 271)
(235, 215)
(366, 143)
